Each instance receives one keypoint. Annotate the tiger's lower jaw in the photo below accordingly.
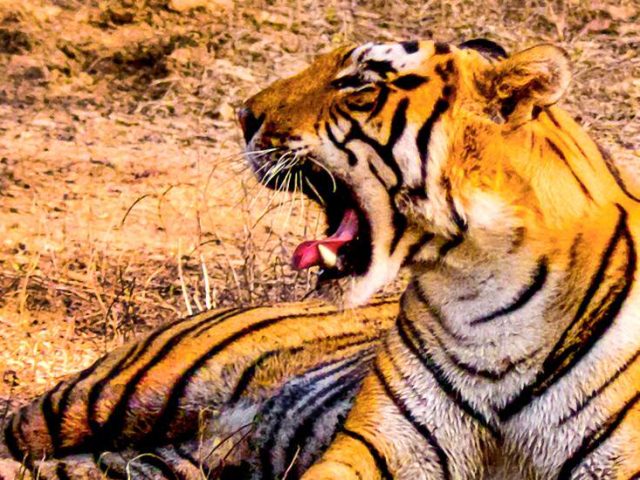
(354, 291)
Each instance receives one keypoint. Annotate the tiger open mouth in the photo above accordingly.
(347, 248)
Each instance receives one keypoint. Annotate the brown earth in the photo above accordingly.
(122, 191)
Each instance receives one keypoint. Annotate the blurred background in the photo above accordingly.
(124, 198)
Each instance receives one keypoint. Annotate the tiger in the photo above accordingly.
(515, 352)
(512, 353)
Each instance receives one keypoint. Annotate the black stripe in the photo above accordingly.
(249, 373)
(107, 433)
(403, 409)
(220, 317)
(562, 157)
(378, 458)
(454, 214)
(399, 226)
(410, 81)
(352, 159)
(348, 81)
(584, 403)
(442, 48)
(487, 374)
(450, 244)
(163, 422)
(424, 136)
(61, 471)
(185, 455)
(381, 101)
(344, 391)
(436, 314)
(411, 46)
(573, 253)
(381, 67)
(334, 118)
(398, 124)
(10, 439)
(49, 414)
(444, 72)
(523, 297)
(615, 173)
(416, 247)
(413, 342)
(597, 438)
(108, 470)
(96, 388)
(385, 152)
(448, 91)
(565, 354)
(398, 220)
(485, 47)
(146, 343)
(565, 132)
(346, 56)
(54, 426)
(342, 365)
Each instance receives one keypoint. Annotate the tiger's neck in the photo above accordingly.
(499, 313)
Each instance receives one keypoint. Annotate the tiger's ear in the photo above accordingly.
(536, 77)
(486, 47)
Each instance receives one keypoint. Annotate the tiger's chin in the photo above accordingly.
(354, 291)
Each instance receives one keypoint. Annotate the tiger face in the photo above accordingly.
(383, 136)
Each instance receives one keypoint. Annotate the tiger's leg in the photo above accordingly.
(404, 426)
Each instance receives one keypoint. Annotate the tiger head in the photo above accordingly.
(411, 143)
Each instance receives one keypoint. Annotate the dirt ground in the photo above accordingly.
(124, 200)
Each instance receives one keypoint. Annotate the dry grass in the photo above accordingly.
(120, 179)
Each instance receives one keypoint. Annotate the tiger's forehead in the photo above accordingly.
(377, 61)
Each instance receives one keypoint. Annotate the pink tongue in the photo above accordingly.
(307, 254)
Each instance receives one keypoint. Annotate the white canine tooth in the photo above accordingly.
(329, 258)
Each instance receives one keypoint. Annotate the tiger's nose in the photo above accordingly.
(249, 122)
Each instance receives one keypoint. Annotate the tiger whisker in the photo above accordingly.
(312, 187)
(293, 197)
(333, 180)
